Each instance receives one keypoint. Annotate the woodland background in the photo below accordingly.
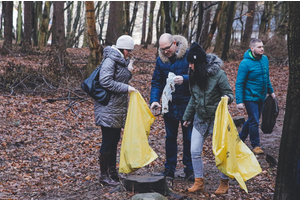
(49, 143)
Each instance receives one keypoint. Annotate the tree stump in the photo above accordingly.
(238, 121)
(145, 184)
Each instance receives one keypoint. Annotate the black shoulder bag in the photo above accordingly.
(92, 87)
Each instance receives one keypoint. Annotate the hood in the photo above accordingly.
(214, 64)
(114, 54)
(181, 50)
(248, 55)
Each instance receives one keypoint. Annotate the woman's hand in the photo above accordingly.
(186, 123)
(131, 89)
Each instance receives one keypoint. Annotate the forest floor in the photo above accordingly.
(49, 149)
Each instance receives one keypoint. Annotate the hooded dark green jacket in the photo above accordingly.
(205, 103)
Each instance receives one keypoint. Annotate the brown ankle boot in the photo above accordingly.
(198, 185)
(223, 187)
(104, 176)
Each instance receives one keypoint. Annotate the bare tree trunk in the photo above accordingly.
(186, 19)
(143, 40)
(204, 34)
(221, 29)
(287, 180)
(94, 45)
(132, 21)
(36, 20)
(249, 24)
(58, 31)
(231, 13)
(167, 17)
(8, 23)
(150, 27)
(126, 17)
(19, 24)
(102, 22)
(44, 26)
(178, 25)
(241, 19)
(115, 22)
(1, 19)
(213, 26)
(200, 21)
(265, 20)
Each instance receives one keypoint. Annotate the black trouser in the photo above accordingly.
(110, 139)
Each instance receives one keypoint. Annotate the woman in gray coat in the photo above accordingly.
(114, 76)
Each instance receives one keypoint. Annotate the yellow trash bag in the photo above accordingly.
(232, 156)
(135, 149)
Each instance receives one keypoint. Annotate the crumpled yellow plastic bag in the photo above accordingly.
(232, 156)
(135, 149)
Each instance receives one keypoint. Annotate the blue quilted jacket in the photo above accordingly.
(181, 96)
(253, 82)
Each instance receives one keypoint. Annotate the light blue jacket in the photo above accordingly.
(253, 82)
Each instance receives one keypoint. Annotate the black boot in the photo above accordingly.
(104, 176)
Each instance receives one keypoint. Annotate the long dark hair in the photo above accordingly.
(199, 76)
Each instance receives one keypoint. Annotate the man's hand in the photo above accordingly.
(131, 89)
(240, 106)
(186, 123)
(178, 80)
(155, 104)
(273, 95)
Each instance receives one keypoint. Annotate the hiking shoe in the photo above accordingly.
(189, 175)
(257, 150)
(166, 172)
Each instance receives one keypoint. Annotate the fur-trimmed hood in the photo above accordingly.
(181, 50)
(214, 64)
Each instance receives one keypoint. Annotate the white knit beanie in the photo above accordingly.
(125, 42)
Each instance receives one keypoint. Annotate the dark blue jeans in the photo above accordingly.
(171, 145)
(110, 139)
(251, 126)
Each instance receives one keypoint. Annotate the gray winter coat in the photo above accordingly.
(114, 76)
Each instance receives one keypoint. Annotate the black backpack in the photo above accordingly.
(269, 114)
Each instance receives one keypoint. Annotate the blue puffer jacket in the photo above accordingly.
(181, 96)
(253, 82)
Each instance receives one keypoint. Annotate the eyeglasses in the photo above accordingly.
(129, 50)
(167, 48)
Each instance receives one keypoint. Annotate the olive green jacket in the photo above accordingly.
(205, 103)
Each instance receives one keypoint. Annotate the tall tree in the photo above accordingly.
(264, 27)
(58, 31)
(287, 180)
(200, 20)
(249, 24)
(167, 17)
(186, 19)
(94, 45)
(143, 40)
(1, 19)
(221, 28)
(44, 26)
(37, 19)
(115, 22)
(101, 22)
(19, 23)
(150, 27)
(231, 13)
(127, 17)
(8, 24)
(213, 26)
(27, 25)
(204, 34)
(134, 14)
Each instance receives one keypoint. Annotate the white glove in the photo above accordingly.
(273, 95)
(178, 80)
(240, 106)
(155, 104)
(131, 89)
(130, 67)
